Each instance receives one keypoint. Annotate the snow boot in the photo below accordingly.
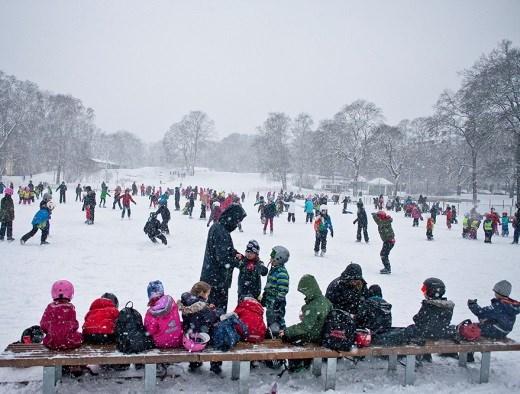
(215, 367)
(322, 253)
(10, 239)
(385, 271)
(316, 253)
(44, 243)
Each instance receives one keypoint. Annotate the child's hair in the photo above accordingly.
(375, 291)
(200, 288)
(111, 297)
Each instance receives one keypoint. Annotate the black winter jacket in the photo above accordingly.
(361, 218)
(375, 314)
(249, 278)
(347, 294)
(196, 314)
(433, 319)
(6, 209)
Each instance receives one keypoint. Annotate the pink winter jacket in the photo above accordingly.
(60, 326)
(163, 323)
(416, 213)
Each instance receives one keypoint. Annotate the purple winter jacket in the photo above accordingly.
(163, 323)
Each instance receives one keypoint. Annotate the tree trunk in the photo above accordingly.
(517, 164)
(58, 174)
(284, 181)
(474, 176)
(356, 180)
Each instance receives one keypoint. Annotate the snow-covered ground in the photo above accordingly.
(116, 256)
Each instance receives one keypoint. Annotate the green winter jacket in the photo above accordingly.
(313, 313)
(384, 226)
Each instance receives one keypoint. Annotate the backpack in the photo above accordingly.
(33, 334)
(469, 331)
(131, 336)
(226, 336)
(339, 330)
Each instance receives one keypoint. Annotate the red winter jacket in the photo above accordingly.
(60, 326)
(251, 312)
(101, 317)
(126, 198)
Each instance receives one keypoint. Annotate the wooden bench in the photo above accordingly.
(21, 355)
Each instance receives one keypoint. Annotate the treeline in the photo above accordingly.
(471, 138)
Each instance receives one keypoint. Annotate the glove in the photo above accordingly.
(470, 302)
(331, 233)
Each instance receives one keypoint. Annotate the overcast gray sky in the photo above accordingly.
(142, 65)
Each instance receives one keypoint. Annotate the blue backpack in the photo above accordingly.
(225, 336)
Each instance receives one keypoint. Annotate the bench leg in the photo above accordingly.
(316, 366)
(243, 383)
(330, 375)
(49, 380)
(150, 378)
(485, 363)
(463, 359)
(58, 373)
(392, 362)
(409, 372)
(235, 370)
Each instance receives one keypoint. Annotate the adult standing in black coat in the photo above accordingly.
(62, 188)
(177, 198)
(220, 257)
(349, 290)
(362, 222)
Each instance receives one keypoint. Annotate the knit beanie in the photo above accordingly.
(503, 288)
(155, 289)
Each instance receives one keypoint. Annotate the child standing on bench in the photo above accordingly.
(498, 319)
(59, 321)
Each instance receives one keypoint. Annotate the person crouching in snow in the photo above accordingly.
(152, 228)
(251, 269)
(429, 229)
(498, 319)
(322, 224)
(40, 222)
(162, 319)
(386, 232)
(59, 321)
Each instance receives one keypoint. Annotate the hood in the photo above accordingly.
(102, 303)
(353, 271)
(383, 216)
(162, 306)
(309, 287)
(381, 303)
(442, 303)
(250, 304)
(189, 304)
(511, 306)
(233, 215)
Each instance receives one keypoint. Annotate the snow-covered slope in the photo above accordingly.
(115, 255)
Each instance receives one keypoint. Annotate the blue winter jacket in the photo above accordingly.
(309, 206)
(326, 224)
(498, 319)
(41, 216)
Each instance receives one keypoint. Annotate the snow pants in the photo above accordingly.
(127, 209)
(116, 201)
(62, 197)
(415, 222)
(6, 226)
(275, 314)
(202, 211)
(429, 234)
(270, 221)
(487, 236)
(308, 217)
(102, 200)
(45, 232)
(177, 205)
(161, 237)
(290, 217)
(78, 196)
(505, 231)
(321, 240)
(385, 252)
(516, 234)
(365, 232)
(164, 227)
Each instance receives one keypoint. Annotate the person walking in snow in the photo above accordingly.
(322, 224)
(384, 226)
(62, 188)
(269, 214)
(103, 196)
(7, 215)
(126, 199)
(416, 215)
(89, 205)
(362, 222)
(79, 190)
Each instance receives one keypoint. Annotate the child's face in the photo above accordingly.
(251, 255)
(205, 295)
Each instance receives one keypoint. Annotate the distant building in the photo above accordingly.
(99, 164)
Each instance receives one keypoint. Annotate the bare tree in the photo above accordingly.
(301, 146)
(357, 123)
(273, 145)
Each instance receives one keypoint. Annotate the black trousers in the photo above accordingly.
(45, 232)
(365, 232)
(385, 252)
(219, 297)
(308, 217)
(126, 209)
(290, 217)
(62, 197)
(203, 211)
(177, 205)
(516, 234)
(118, 202)
(321, 239)
(160, 236)
(6, 226)
(78, 196)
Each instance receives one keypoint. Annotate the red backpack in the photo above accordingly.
(469, 331)
(251, 312)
